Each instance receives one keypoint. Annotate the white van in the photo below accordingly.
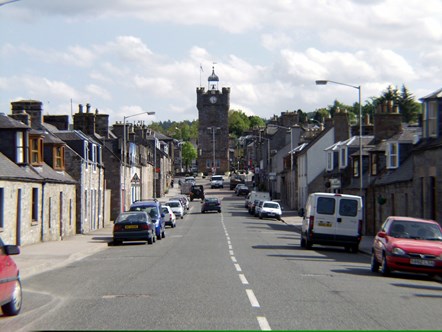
(332, 219)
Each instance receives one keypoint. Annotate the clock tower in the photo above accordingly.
(213, 132)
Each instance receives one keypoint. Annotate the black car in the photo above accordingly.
(211, 204)
(197, 191)
(133, 226)
(242, 190)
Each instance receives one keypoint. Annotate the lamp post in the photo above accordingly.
(358, 87)
(213, 129)
(124, 159)
(291, 141)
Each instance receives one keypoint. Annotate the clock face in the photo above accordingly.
(213, 99)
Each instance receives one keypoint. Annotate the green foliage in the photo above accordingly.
(404, 99)
(239, 122)
(189, 153)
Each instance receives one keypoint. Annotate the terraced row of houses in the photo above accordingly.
(401, 164)
(59, 179)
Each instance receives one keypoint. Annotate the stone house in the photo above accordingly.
(36, 192)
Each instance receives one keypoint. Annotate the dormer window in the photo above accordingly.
(36, 150)
(58, 153)
(329, 161)
(20, 147)
(374, 164)
(343, 157)
(392, 154)
(432, 119)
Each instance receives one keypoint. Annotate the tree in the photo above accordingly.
(238, 122)
(189, 153)
(409, 108)
(256, 121)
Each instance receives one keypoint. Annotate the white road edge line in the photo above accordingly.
(252, 298)
(263, 323)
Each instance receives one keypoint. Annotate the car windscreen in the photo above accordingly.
(174, 204)
(271, 205)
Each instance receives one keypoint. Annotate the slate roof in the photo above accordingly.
(7, 122)
(401, 174)
(11, 171)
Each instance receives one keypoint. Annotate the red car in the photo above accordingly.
(408, 244)
(10, 285)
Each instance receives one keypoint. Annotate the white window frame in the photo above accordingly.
(330, 160)
(343, 156)
(432, 118)
(20, 147)
(392, 154)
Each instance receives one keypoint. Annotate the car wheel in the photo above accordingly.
(163, 234)
(182, 217)
(117, 242)
(219, 211)
(260, 216)
(374, 263)
(154, 238)
(308, 244)
(302, 244)
(149, 240)
(13, 307)
(385, 270)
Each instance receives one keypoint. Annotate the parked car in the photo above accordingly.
(169, 216)
(153, 209)
(256, 195)
(217, 181)
(10, 284)
(258, 207)
(408, 244)
(252, 206)
(241, 190)
(270, 209)
(176, 207)
(332, 219)
(211, 204)
(133, 226)
(184, 201)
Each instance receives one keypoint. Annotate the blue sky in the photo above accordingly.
(129, 56)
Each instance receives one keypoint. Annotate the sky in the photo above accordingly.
(126, 57)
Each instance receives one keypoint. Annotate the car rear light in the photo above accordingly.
(311, 223)
(145, 227)
(117, 227)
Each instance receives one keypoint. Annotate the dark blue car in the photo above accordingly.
(153, 208)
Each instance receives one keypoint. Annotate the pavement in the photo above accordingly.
(41, 257)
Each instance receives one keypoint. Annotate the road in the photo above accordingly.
(225, 271)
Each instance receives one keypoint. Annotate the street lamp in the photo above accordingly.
(291, 141)
(358, 87)
(124, 159)
(213, 129)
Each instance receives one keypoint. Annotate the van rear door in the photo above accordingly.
(348, 218)
(325, 217)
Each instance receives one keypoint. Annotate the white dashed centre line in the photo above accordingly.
(263, 323)
(243, 279)
(252, 298)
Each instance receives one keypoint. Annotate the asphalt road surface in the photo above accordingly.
(225, 271)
